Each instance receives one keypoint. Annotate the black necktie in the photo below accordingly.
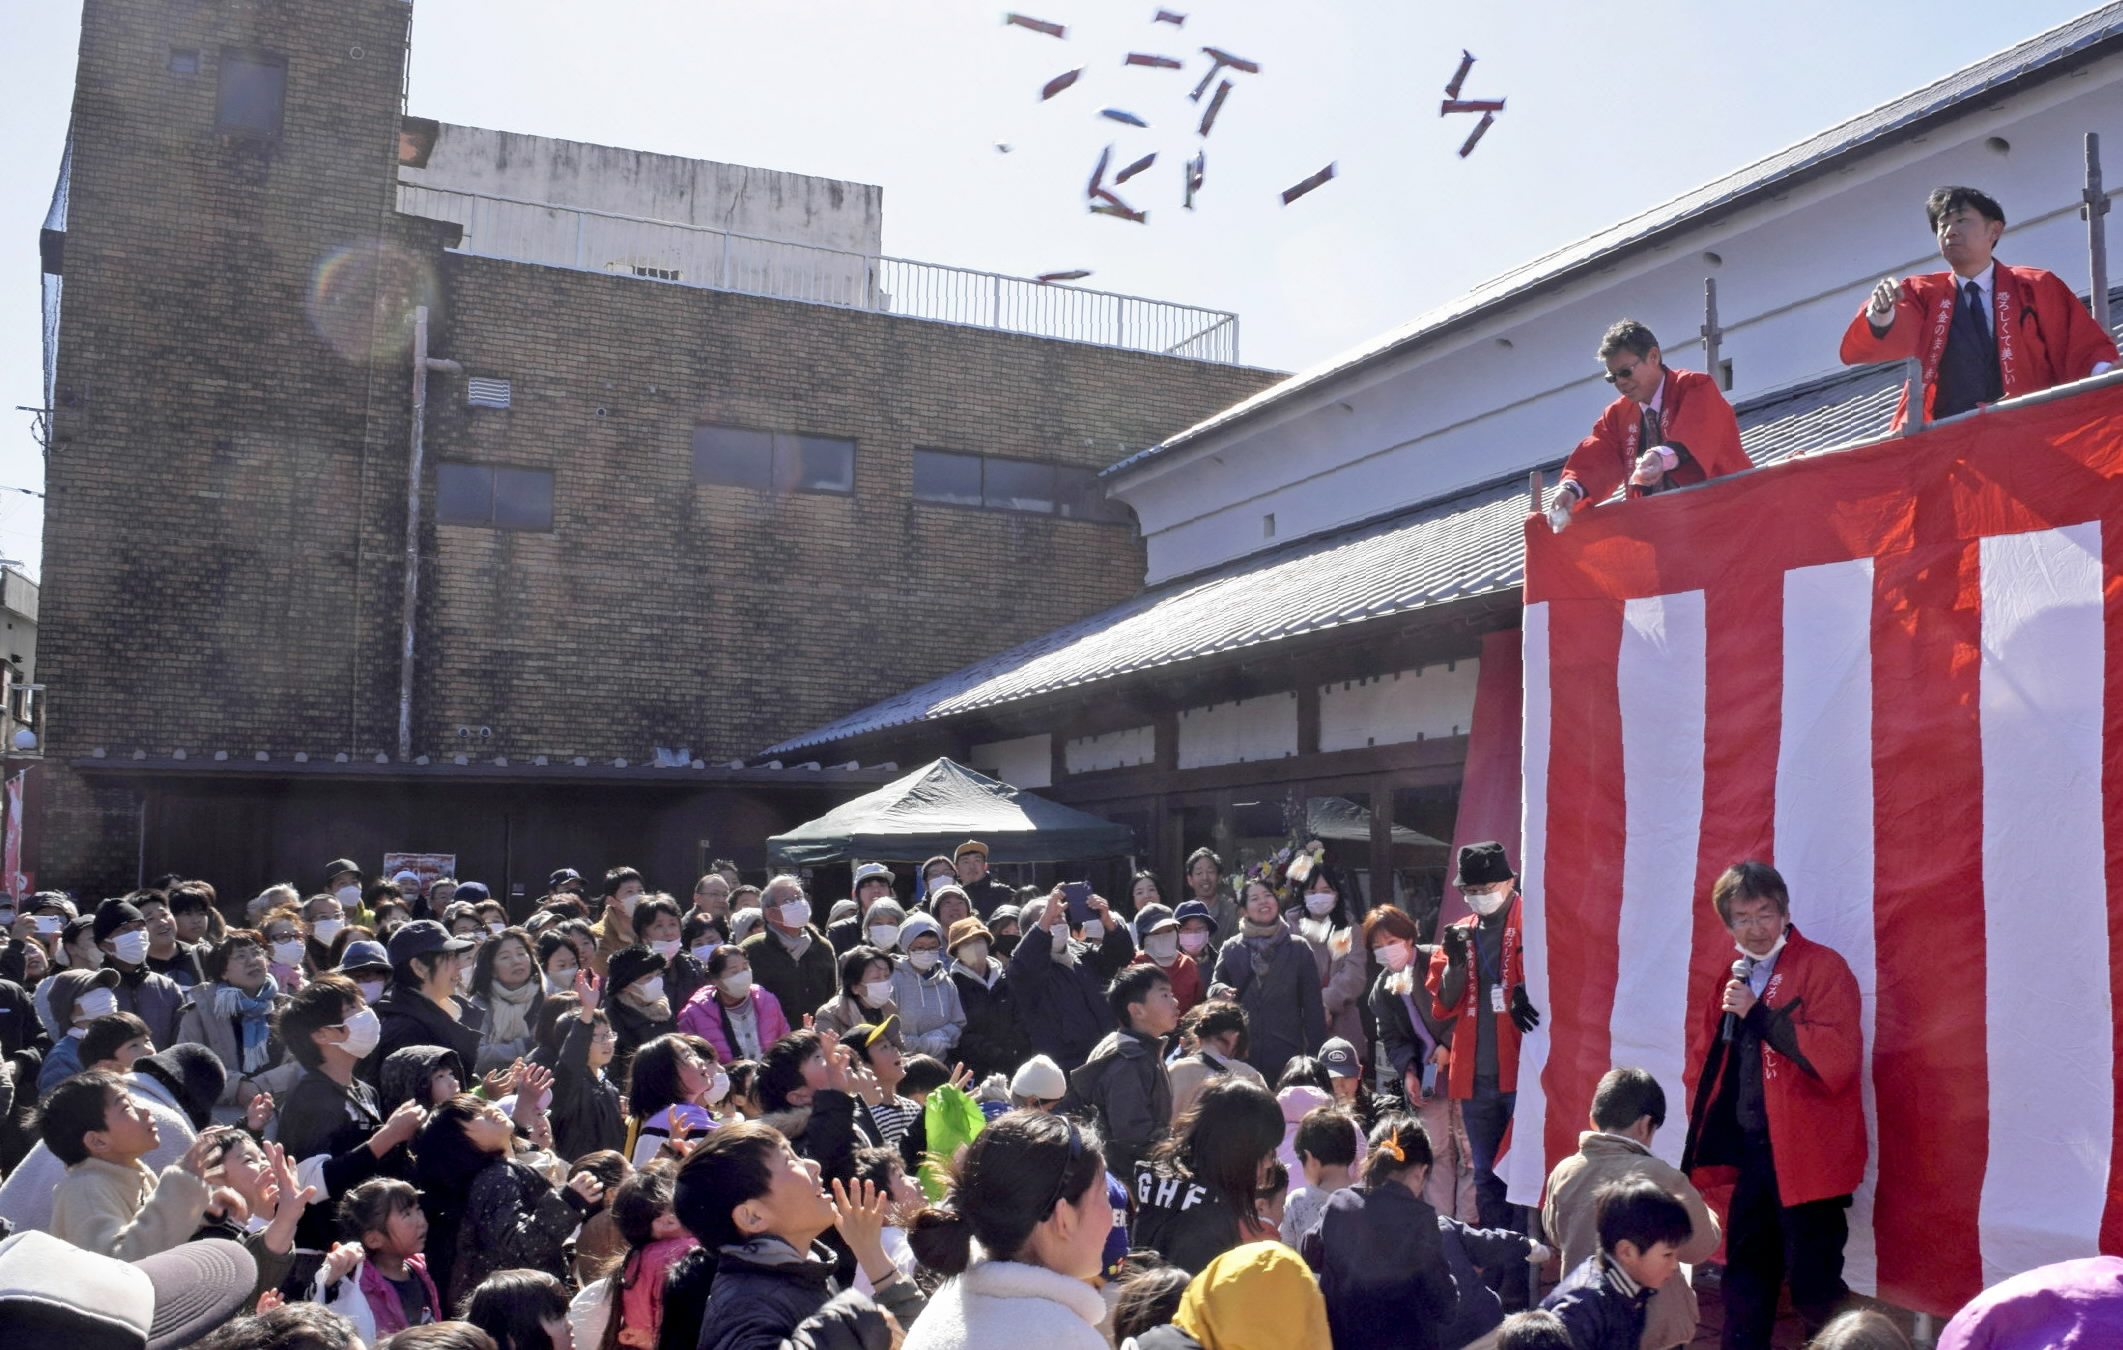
(1973, 293)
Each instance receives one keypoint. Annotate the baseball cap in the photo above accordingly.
(339, 865)
(1154, 918)
(561, 877)
(870, 1033)
(423, 937)
(54, 1293)
(1340, 1058)
(970, 846)
(472, 892)
(871, 872)
(113, 915)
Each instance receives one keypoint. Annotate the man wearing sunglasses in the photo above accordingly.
(1668, 428)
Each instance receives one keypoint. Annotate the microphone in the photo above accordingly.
(1741, 969)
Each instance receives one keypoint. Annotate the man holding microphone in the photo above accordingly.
(1779, 1107)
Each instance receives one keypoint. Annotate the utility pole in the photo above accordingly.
(2096, 206)
(1713, 336)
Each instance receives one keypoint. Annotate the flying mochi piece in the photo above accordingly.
(1291, 194)
(1459, 77)
(1049, 278)
(1488, 120)
(1137, 167)
(1470, 105)
(1059, 83)
(1167, 16)
(1120, 210)
(1155, 62)
(1121, 115)
(1054, 30)
(1216, 105)
(1195, 169)
(1224, 58)
(1098, 173)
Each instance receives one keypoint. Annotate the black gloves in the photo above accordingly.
(1523, 1014)
(1455, 940)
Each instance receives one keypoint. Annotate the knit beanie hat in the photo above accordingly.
(1042, 1078)
(1260, 1296)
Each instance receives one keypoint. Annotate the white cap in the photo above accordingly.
(1041, 1078)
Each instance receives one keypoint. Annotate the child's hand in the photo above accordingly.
(862, 1224)
(587, 1186)
(961, 1077)
(293, 1196)
(586, 989)
(864, 1083)
(681, 1131)
(337, 1266)
(223, 1202)
(494, 1086)
(532, 1080)
(271, 1299)
(258, 1113)
(195, 1158)
(399, 1129)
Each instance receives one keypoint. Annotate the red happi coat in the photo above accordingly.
(1696, 418)
(2045, 336)
(1817, 1119)
(1459, 1081)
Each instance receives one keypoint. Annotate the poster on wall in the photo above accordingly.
(429, 867)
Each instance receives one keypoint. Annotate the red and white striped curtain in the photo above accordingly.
(1891, 672)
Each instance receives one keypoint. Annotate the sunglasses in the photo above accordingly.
(1625, 373)
(1061, 1179)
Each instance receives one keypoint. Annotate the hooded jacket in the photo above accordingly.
(1009, 1303)
(325, 1129)
(409, 1017)
(513, 1218)
(406, 1076)
(931, 1018)
(1256, 1297)
(1382, 1269)
(1192, 1073)
(1285, 1016)
(1063, 1007)
(1298, 1101)
(993, 1039)
(1124, 1087)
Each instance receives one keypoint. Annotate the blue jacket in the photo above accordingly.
(1382, 1268)
(1468, 1252)
(1598, 1307)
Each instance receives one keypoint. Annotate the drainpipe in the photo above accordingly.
(422, 364)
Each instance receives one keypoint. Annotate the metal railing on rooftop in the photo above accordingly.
(698, 255)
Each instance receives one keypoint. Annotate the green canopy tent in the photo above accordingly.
(938, 807)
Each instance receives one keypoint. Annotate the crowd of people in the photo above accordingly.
(1255, 1112)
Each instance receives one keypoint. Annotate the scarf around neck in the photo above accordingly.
(253, 1016)
(509, 1011)
(1261, 940)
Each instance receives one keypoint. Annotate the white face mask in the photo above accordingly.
(1093, 930)
(288, 953)
(324, 930)
(1162, 946)
(371, 990)
(1782, 938)
(96, 1003)
(737, 983)
(666, 950)
(1395, 955)
(130, 948)
(627, 903)
(974, 954)
(718, 1089)
(1194, 941)
(877, 993)
(796, 914)
(1320, 903)
(495, 928)
(1489, 903)
(363, 1030)
(884, 935)
(560, 984)
(923, 961)
(649, 990)
(349, 896)
(705, 950)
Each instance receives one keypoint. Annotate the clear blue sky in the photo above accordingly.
(1613, 108)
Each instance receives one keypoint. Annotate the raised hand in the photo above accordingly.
(259, 1113)
(340, 1264)
(961, 1077)
(1879, 306)
(587, 1186)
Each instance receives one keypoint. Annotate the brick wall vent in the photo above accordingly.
(481, 393)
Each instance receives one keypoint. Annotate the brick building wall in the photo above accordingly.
(225, 520)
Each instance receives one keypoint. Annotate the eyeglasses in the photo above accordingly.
(1625, 373)
(1061, 1179)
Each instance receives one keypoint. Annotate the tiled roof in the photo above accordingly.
(1858, 135)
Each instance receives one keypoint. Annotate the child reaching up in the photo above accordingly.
(268, 1202)
(109, 1202)
(749, 1198)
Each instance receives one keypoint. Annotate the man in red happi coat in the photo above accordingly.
(1983, 330)
(1668, 429)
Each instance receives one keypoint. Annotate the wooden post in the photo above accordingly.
(1713, 336)
(1533, 485)
(2096, 206)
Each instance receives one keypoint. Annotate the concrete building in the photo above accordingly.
(697, 467)
(1326, 639)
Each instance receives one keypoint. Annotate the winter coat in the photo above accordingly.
(62, 1063)
(1511, 954)
(198, 1023)
(128, 1211)
(986, 894)
(704, 1016)
(1123, 1086)
(684, 975)
(993, 1040)
(585, 1106)
(1191, 1073)
(1008, 1303)
(1813, 1046)
(1180, 1218)
(513, 1217)
(408, 1076)
(1063, 1008)
(154, 999)
(796, 982)
(632, 1028)
(1468, 1252)
(1598, 1308)
(325, 1129)
(1382, 1269)
(1398, 1044)
(26, 1197)
(409, 1017)
(931, 1018)
(1285, 1016)
(841, 1014)
(1567, 1217)
(767, 1296)
(1344, 967)
(496, 1054)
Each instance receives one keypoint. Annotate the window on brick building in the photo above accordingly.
(940, 476)
(958, 479)
(500, 498)
(252, 94)
(1014, 485)
(772, 460)
(183, 61)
